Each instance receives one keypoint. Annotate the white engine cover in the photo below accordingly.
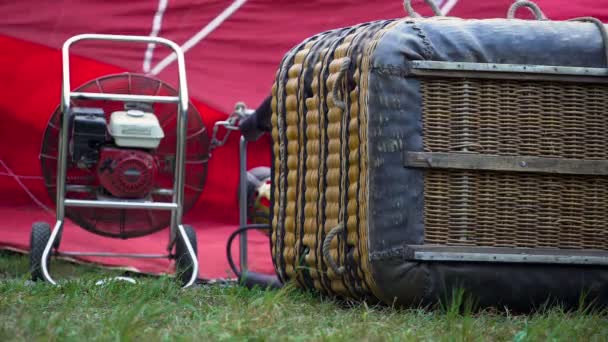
(135, 128)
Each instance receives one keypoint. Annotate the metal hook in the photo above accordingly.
(230, 124)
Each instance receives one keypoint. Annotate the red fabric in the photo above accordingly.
(30, 91)
(236, 62)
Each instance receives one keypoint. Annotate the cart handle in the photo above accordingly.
(181, 68)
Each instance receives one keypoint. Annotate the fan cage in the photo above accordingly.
(84, 184)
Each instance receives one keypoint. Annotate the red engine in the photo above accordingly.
(126, 173)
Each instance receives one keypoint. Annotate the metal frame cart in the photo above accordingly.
(176, 205)
(245, 277)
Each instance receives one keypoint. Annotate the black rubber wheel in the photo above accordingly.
(183, 263)
(41, 233)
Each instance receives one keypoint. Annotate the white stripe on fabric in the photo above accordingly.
(156, 26)
(445, 9)
(27, 191)
(200, 35)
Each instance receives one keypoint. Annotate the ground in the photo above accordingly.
(157, 309)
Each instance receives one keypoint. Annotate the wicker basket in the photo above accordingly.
(415, 155)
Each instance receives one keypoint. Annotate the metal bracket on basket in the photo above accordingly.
(505, 255)
(240, 113)
(243, 203)
(509, 71)
(230, 124)
(488, 162)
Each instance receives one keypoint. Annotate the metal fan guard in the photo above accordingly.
(130, 223)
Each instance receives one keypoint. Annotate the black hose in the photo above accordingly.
(251, 279)
(231, 238)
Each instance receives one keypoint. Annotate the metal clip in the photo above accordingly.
(231, 124)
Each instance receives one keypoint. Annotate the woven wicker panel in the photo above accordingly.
(327, 178)
(316, 232)
(287, 144)
(292, 133)
(356, 234)
(342, 172)
(315, 227)
(319, 174)
(312, 192)
(279, 135)
(299, 117)
(313, 152)
(543, 119)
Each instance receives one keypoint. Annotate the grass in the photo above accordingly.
(156, 309)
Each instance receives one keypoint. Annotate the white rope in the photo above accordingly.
(156, 26)
(200, 35)
(27, 191)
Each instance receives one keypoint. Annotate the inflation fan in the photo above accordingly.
(123, 156)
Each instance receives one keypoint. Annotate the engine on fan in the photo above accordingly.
(121, 152)
(126, 173)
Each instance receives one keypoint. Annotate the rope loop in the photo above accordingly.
(326, 246)
(343, 69)
(409, 10)
(601, 27)
(538, 14)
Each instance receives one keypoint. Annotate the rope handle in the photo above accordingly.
(602, 29)
(343, 68)
(407, 5)
(541, 16)
(326, 245)
(538, 14)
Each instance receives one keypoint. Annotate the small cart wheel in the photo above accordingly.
(41, 233)
(183, 263)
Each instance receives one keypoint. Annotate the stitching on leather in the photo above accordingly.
(427, 50)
